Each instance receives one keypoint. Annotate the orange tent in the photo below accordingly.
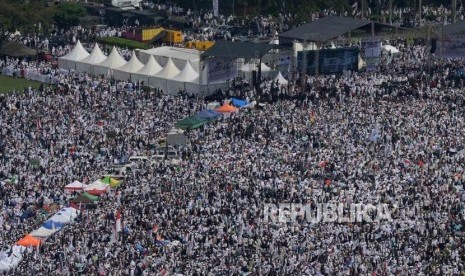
(227, 108)
(28, 240)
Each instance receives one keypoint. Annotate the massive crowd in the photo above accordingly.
(390, 137)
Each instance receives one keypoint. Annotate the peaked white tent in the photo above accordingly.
(281, 79)
(150, 69)
(169, 71)
(187, 79)
(68, 61)
(113, 61)
(87, 64)
(124, 72)
(164, 79)
(75, 186)
(188, 74)
(43, 232)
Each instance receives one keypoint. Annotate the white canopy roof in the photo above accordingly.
(133, 65)
(97, 185)
(62, 217)
(281, 79)
(151, 68)
(75, 186)
(95, 57)
(8, 262)
(169, 71)
(114, 60)
(389, 48)
(249, 68)
(78, 53)
(43, 232)
(188, 74)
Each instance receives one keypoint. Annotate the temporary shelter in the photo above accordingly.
(85, 198)
(28, 240)
(150, 69)
(75, 186)
(68, 61)
(16, 49)
(43, 232)
(208, 114)
(227, 108)
(164, 78)
(52, 225)
(280, 79)
(390, 49)
(62, 217)
(238, 102)
(87, 64)
(11, 258)
(190, 122)
(187, 79)
(125, 71)
(97, 188)
(169, 71)
(111, 181)
(112, 62)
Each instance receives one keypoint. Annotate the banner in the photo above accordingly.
(372, 54)
(220, 69)
(330, 61)
(215, 8)
(451, 46)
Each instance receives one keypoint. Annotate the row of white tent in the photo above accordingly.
(169, 77)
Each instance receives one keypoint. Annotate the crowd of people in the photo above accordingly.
(393, 136)
(206, 215)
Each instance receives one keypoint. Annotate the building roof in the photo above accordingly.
(454, 28)
(228, 49)
(174, 52)
(325, 29)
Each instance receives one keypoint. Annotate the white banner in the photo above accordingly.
(215, 8)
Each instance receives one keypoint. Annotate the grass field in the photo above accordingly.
(9, 83)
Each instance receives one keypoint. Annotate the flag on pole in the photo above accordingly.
(215, 8)
(118, 226)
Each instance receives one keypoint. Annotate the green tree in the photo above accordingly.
(69, 14)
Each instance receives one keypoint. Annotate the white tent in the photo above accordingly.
(391, 49)
(63, 217)
(86, 65)
(68, 61)
(281, 79)
(169, 71)
(187, 79)
(11, 258)
(150, 69)
(164, 79)
(113, 61)
(97, 186)
(43, 232)
(188, 74)
(125, 72)
(75, 186)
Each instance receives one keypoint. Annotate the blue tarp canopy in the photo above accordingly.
(238, 102)
(50, 224)
(208, 114)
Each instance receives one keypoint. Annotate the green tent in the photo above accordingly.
(84, 198)
(192, 122)
(111, 181)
